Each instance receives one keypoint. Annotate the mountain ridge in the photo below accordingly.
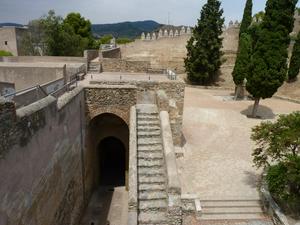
(125, 29)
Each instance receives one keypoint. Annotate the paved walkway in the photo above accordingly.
(108, 206)
(217, 162)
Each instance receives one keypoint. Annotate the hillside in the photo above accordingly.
(10, 25)
(125, 29)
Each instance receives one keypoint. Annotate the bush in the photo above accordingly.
(283, 180)
(124, 41)
(5, 53)
(278, 150)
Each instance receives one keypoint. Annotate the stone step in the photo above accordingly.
(231, 203)
(152, 187)
(152, 218)
(232, 210)
(142, 179)
(148, 128)
(249, 216)
(150, 163)
(149, 141)
(149, 205)
(147, 148)
(149, 195)
(147, 171)
(146, 109)
(150, 155)
(150, 133)
(146, 117)
(148, 123)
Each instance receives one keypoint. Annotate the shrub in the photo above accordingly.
(5, 53)
(278, 150)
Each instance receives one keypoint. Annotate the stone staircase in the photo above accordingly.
(94, 67)
(152, 195)
(232, 210)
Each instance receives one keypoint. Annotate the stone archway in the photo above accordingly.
(107, 132)
(107, 168)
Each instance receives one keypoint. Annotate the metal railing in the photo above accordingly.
(32, 94)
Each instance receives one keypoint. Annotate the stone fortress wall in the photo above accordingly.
(170, 32)
(169, 51)
(53, 134)
(11, 39)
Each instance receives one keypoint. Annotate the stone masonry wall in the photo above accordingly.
(113, 99)
(40, 161)
(121, 65)
(172, 102)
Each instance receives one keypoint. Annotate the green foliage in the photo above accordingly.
(204, 48)
(247, 17)
(81, 27)
(129, 30)
(276, 141)
(258, 17)
(55, 36)
(124, 41)
(295, 60)
(106, 39)
(5, 53)
(241, 67)
(283, 180)
(268, 64)
(278, 150)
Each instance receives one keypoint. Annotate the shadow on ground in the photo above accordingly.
(263, 112)
(251, 179)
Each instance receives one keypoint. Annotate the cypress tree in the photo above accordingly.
(247, 17)
(241, 68)
(204, 48)
(268, 66)
(295, 60)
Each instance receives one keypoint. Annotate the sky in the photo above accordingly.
(181, 12)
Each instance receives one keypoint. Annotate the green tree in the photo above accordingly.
(203, 59)
(278, 150)
(295, 60)
(247, 17)
(241, 68)
(81, 27)
(268, 64)
(60, 37)
(258, 17)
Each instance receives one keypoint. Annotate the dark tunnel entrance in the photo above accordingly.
(112, 162)
(107, 170)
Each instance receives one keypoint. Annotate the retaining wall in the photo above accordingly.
(41, 176)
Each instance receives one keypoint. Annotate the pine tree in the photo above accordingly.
(268, 64)
(295, 60)
(241, 68)
(247, 17)
(204, 48)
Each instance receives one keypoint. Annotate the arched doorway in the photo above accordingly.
(112, 162)
(107, 166)
(109, 147)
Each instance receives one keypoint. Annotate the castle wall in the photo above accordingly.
(41, 161)
(26, 75)
(112, 53)
(8, 40)
(47, 59)
(121, 65)
(169, 96)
